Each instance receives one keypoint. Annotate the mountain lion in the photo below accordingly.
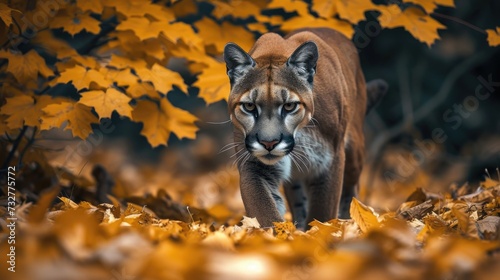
(298, 104)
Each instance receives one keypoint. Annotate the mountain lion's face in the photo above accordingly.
(270, 101)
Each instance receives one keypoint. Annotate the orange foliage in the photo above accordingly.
(133, 59)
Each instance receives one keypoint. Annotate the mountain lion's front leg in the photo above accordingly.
(325, 190)
(259, 185)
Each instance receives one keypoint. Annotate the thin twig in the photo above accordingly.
(14, 147)
(461, 21)
(25, 148)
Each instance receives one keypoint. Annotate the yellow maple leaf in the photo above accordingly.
(182, 31)
(363, 216)
(272, 20)
(119, 77)
(343, 27)
(142, 27)
(26, 67)
(191, 53)
(81, 78)
(139, 8)
(153, 47)
(105, 103)
(121, 62)
(25, 110)
(160, 121)
(430, 5)
(235, 8)
(493, 36)
(46, 40)
(77, 116)
(74, 23)
(257, 26)
(3, 125)
(6, 14)
(140, 89)
(162, 78)
(326, 230)
(219, 35)
(325, 8)
(248, 223)
(289, 6)
(284, 230)
(94, 6)
(354, 10)
(213, 83)
(414, 20)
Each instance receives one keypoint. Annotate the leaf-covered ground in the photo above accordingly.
(431, 236)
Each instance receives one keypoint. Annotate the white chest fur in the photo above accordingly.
(311, 156)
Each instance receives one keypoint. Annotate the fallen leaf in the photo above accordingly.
(363, 216)
(248, 222)
(284, 230)
(37, 213)
(489, 227)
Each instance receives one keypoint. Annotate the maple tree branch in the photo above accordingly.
(25, 148)
(461, 21)
(18, 27)
(93, 43)
(14, 147)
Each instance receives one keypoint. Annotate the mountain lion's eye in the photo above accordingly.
(249, 107)
(288, 107)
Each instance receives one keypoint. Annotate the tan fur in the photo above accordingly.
(333, 139)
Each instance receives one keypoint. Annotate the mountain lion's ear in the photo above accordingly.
(238, 62)
(304, 60)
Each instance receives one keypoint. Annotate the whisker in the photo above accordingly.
(240, 157)
(301, 160)
(292, 156)
(245, 160)
(230, 146)
(224, 122)
(304, 145)
(303, 156)
(237, 152)
(315, 121)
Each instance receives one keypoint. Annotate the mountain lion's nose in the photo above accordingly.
(269, 145)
